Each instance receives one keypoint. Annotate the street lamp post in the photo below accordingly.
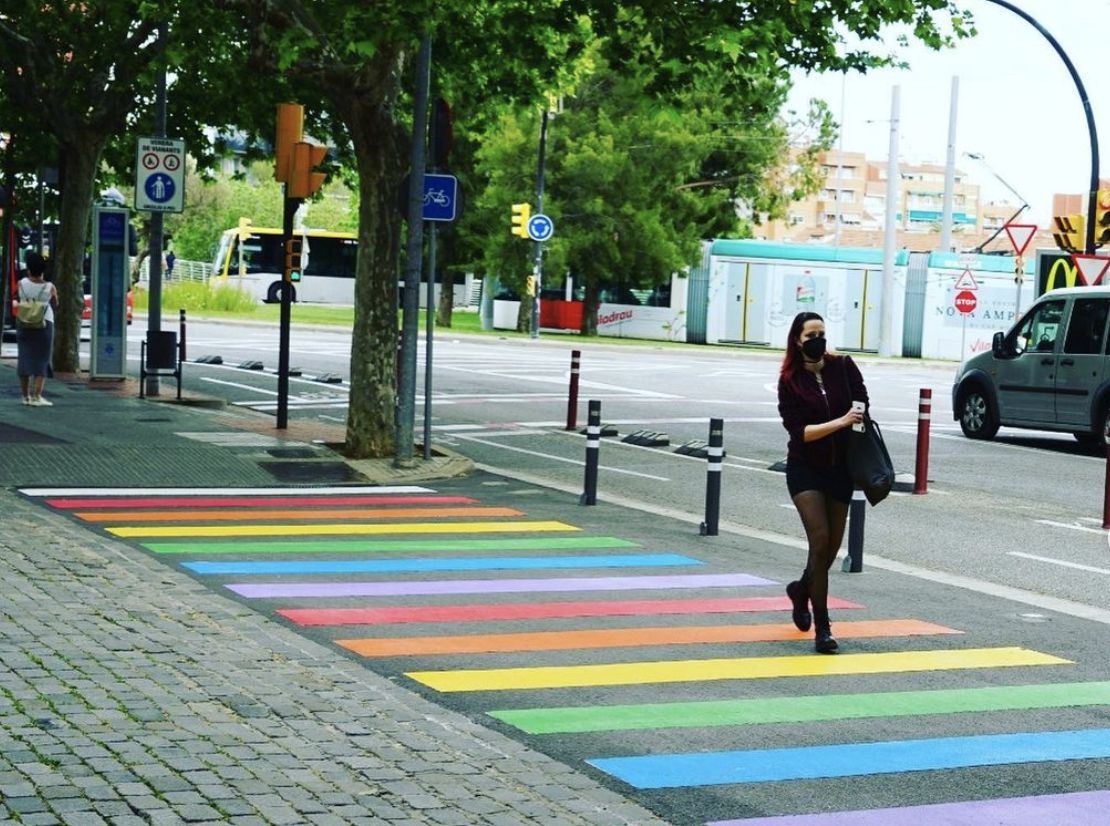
(1092, 194)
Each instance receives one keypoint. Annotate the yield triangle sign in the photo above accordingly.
(1020, 235)
(1091, 267)
(966, 282)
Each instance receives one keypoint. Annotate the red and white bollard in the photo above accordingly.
(924, 414)
(572, 398)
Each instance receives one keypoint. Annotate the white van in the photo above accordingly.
(1051, 371)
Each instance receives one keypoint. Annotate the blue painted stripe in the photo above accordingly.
(479, 563)
(854, 759)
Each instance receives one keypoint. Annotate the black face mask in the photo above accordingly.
(814, 348)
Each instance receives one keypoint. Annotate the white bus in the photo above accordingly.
(256, 264)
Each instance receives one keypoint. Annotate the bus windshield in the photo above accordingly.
(256, 264)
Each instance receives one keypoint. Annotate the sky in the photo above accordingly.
(1017, 104)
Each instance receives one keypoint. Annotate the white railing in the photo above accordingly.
(182, 271)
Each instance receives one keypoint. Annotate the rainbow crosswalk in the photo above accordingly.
(551, 639)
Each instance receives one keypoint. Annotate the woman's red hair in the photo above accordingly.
(792, 358)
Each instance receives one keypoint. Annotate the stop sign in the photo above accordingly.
(965, 301)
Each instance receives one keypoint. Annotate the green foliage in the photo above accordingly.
(197, 296)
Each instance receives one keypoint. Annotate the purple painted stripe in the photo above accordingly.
(271, 590)
(1077, 809)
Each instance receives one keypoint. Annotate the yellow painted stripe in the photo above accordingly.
(361, 529)
(740, 668)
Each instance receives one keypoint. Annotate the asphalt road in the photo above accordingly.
(1022, 511)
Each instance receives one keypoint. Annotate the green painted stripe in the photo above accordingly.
(350, 546)
(812, 708)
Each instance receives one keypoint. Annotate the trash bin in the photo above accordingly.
(161, 350)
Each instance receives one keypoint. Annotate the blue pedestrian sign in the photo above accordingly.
(441, 197)
(160, 175)
(160, 188)
(540, 227)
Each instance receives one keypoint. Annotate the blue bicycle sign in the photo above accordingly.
(540, 227)
(440, 197)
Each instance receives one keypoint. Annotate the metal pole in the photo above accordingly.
(1092, 132)
(950, 170)
(430, 323)
(857, 515)
(572, 398)
(291, 205)
(1106, 487)
(537, 266)
(154, 300)
(924, 414)
(593, 450)
(714, 456)
(886, 319)
(414, 253)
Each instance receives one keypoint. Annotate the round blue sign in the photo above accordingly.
(540, 227)
(159, 188)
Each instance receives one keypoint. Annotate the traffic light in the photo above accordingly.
(521, 215)
(245, 228)
(293, 249)
(1070, 232)
(303, 181)
(290, 130)
(1102, 217)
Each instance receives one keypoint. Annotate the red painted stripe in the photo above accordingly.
(489, 612)
(254, 501)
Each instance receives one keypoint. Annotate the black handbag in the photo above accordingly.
(869, 462)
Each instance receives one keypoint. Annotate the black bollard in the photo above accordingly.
(181, 325)
(593, 449)
(857, 514)
(714, 455)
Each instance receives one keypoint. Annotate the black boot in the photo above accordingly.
(799, 596)
(824, 642)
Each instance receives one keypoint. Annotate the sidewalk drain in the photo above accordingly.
(312, 472)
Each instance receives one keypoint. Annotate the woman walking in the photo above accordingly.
(35, 344)
(816, 391)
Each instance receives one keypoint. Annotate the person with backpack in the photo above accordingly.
(36, 299)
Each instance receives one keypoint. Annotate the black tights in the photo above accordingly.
(823, 518)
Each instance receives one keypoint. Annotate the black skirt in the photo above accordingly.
(35, 348)
(833, 481)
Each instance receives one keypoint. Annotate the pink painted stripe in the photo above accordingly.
(187, 502)
(490, 612)
(1076, 809)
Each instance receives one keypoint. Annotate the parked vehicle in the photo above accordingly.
(1051, 371)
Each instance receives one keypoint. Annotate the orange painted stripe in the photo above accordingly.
(255, 515)
(628, 638)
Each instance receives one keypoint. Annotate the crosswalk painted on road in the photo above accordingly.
(590, 658)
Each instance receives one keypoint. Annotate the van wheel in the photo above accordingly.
(1095, 440)
(977, 417)
(273, 295)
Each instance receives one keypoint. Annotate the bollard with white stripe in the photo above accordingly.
(572, 397)
(857, 515)
(1106, 489)
(924, 415)
(714, 455)
(181, 341)
(593, 450)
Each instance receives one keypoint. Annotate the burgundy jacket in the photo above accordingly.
(802, 403)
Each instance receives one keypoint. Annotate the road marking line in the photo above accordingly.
(353, 546)
(321, 491)
(805, 709)
(598, 638)
(425, 565)
(490, 612)
(1053, 524)
(258, 515)
(253, 501)
(854, 759)
(268, 590)
(340, 529)
(559, 458)
(740, 668)
(1061, 562)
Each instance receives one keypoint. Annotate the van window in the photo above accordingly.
(1037, 331)
(1086, 326)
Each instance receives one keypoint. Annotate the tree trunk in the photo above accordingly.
(446, 299)
(589, 308)
(524, 314)
(371, 411)
(79, 161)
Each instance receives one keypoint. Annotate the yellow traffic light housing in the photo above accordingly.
(290, 130)
(303, 181)
(522, 213)
(293, 249)
(1069, 232)
(1102, 217)
(245, 229)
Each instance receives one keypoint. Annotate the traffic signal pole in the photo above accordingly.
(1092, 193)
(285, 316)
(537, 266)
